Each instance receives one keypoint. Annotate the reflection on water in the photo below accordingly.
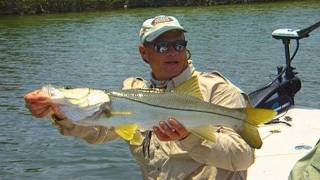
(100, 50)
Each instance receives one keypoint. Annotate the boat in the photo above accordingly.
(296, 129)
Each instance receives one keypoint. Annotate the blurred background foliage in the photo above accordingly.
(22, 7)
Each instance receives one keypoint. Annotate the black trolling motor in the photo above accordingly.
(279, 93)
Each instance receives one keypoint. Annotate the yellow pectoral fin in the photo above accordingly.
(126, 131)
(256, 116)
(137, 139)
(205, 132)
(251, 135)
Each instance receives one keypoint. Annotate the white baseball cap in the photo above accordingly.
(154, 27)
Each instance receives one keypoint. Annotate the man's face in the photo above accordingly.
(169, 63)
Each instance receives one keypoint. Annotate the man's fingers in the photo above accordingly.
(41, 112)
(169, 131)
(181, 130)
(160, 135)
(36, 96)
(36, 99)
(176, 125)
(44, 113)
(37, 105)
(57, 112)
(36, 109)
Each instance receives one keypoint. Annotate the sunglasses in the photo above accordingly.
(164, 46)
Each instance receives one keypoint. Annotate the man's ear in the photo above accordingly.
(143, 53)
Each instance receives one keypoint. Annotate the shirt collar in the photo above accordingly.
(174, 82)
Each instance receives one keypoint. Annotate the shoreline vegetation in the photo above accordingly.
(28, 7)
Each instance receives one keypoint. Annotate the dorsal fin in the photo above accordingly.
(190, 87)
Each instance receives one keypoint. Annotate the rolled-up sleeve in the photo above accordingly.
(91, 134)
(229, 151)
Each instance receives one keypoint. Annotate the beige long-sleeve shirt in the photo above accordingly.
(192, 157)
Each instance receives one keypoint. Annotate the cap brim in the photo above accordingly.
(152, 36)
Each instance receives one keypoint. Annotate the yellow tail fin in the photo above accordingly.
(251, 135)
(254, 117)
(129, 132)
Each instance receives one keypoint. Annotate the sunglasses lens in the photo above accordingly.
(180, 45)
(163, 46)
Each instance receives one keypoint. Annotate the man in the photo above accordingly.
(170, 151)
(308, 167)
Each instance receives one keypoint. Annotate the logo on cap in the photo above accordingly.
(161, 19)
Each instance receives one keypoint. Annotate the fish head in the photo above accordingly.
(80, 103)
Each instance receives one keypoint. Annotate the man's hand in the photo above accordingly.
(170, 130)
(40, 105)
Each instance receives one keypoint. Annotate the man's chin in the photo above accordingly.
(173, 68)
(173, 74)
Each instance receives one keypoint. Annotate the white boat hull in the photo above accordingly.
(284, 145)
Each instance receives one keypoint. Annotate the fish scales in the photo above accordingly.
(177, 101)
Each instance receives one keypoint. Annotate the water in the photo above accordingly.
(100, 50)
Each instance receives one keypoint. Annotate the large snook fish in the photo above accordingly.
(128, 111)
